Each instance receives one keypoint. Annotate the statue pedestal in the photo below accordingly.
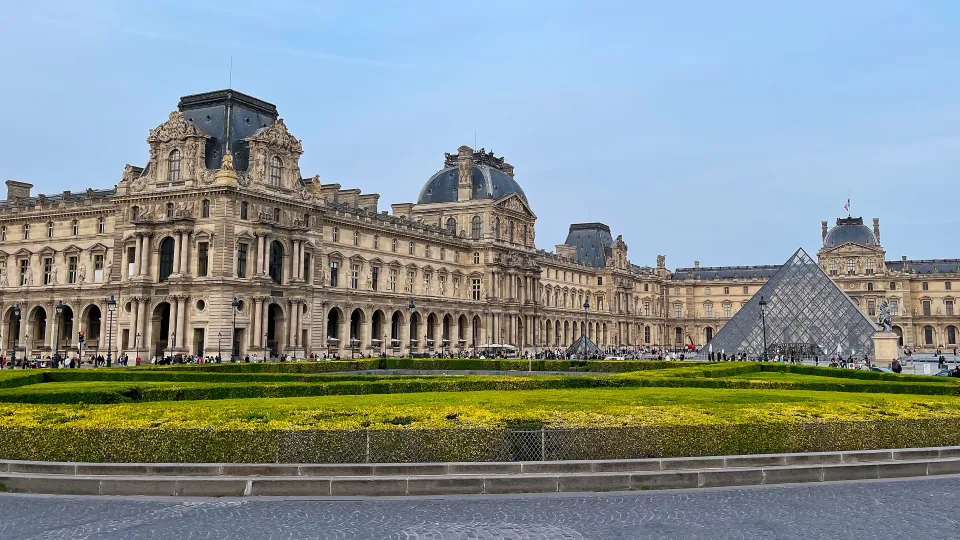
(885, 347)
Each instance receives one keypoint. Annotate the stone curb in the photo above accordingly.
(474, 468)
(467, 484)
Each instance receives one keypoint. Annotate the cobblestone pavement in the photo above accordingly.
(902, 510)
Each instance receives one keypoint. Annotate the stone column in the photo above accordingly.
(142, 255)
(264, 256)
(185, 254)
(256, 321)
(258, 267)
(177, 242)
(138, 256)
(147, 270)
(182, 322)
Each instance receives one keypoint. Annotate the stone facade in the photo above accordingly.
(219, 242)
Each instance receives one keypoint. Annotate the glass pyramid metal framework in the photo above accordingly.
(806, 313)
(583, 347)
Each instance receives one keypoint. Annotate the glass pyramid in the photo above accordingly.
(806, 314)
(582, 348)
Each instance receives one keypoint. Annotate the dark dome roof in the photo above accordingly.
(488, 183)
(850, 230)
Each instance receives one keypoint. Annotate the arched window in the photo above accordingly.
(951, 335)
(476, 227)
(173, 165)
(49, 229)
(169, 209)
(243, 210)
(510, 237)
(452, 225)
(276, 165)
(205, 208)
(276, 261)
(276, 215)
(76, 228)
(101, 225)
(166, 258)
(646, 334)
(496, 228)
(928, 335)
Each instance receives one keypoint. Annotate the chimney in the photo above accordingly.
(876, 228)
(465, 173)
(696, 264)
(17, 189)
(823, 231)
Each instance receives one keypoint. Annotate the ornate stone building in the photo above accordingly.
(220, 242)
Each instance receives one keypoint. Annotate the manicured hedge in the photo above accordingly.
(407, 445)
(862, 374)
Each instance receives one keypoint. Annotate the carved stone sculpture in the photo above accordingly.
(884, 319)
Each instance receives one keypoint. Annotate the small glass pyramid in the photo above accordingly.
(583, 348)
(806, 314)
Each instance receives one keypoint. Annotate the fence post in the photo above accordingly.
(543, 444)
(367, 458)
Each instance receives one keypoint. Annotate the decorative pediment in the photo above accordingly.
(176, 128)
(335, 255)
(245, 236)
(515, 203)
(357, 259)
(23, 252)
(851, 249)
(276, 136)
(47, 250)
(376, 261)
(98, 247)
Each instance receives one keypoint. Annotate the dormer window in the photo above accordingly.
(173, 166)
(276, 165)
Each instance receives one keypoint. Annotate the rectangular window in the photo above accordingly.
(925, 286)
(456, 287)
(307, 265)
(708, 310)
(393, 281)
(726, 290)
(443, 256)
(872, 308)
(355, 276)
(926, 308)
(893, 285)
(334, 273)
(410, 277)
(678, 310)
(202, 256)
(851, 267)
(441, 285)
(98, 268)
(599, 280)
(949, 307)
(411, 248)
(894, 308)
(24, 269)
(476, 258)
(869, 267)
(376, 241)
(646, 309)
(72, 270)
(356, 238)
(706, 291)
(426, 250)
(241, 260)
(394, 245)
(833, 268)
(947, 285)
(475, 289)
(726, 310)
(375, 278)
(47, 270)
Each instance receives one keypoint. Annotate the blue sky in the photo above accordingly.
(714, 131)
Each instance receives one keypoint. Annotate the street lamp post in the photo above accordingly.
(56, 332)
(136, 346)
(219, 346)
(111, 309)
(583, 333)
(266, 349)
(233, 336)
(763, 322)
(16, 334)
(412, 306)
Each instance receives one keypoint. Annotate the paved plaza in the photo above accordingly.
(879, 510)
